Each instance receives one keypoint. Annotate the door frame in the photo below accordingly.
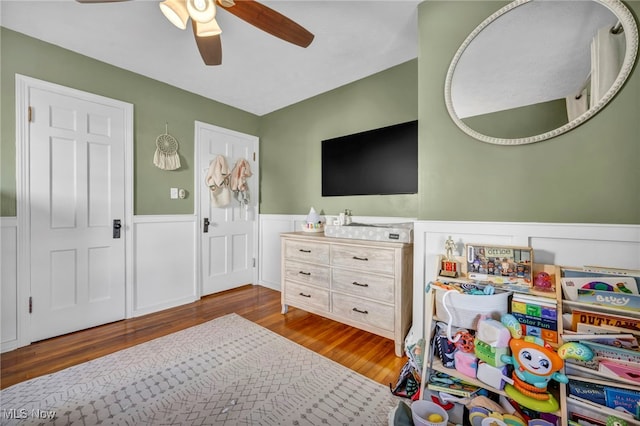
(23, 86)
(196, 201)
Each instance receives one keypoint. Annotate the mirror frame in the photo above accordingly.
(631, 38)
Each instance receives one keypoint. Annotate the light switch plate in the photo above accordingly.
(174, 193)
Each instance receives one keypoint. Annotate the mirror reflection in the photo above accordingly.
(537, 68)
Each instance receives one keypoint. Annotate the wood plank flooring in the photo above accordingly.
(370, 355)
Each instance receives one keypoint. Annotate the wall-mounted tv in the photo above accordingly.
(375, 162)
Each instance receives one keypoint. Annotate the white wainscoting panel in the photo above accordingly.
(165, 262)
(9, 284)
(614, 246)
(271, 226)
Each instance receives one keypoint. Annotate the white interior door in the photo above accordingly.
(228, 243)
(76, 169)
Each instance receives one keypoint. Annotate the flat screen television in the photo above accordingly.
(375, 162)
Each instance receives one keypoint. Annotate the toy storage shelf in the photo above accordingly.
(568, 403)
(433, 363)
(584, 374)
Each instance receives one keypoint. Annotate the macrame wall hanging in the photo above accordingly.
(166, 156)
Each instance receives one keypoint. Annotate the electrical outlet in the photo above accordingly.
(174, 193)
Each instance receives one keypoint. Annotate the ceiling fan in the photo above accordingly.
(206, 29)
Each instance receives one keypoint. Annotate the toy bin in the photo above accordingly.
(466, 309)
(423, 410)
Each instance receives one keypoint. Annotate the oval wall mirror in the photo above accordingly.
(538, 68)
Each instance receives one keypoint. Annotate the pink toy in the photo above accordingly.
(543, 283)
(466, 363)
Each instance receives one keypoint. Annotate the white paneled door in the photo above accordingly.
(228, 234)
(76, 175)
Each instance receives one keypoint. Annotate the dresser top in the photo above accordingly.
(320, 237)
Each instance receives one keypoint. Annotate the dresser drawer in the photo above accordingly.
(307, 251)
(363, 311)
(361, 284)
(370, 259)
(301, 295)
(309, 273)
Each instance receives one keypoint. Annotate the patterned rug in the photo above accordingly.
(228, 371)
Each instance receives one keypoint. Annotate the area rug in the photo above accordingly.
(228, 371)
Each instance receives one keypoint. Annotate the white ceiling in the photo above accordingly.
(259, 73)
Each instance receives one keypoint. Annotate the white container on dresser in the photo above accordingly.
(365, 284)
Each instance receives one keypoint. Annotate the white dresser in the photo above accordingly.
(365, 284)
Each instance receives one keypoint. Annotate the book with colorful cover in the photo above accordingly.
(610, 298)
(626, 341)
(625, 400)
(623, 372)
(590, 391)
(604, 319)
(609, 353)
(442, 382)
(605, 329)
(622, 285)
(538, 317)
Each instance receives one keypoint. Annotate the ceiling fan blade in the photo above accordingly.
(270, 21)
(210, 47)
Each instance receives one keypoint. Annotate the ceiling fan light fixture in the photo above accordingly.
(202, 11)
(208, 29)
(176, 12)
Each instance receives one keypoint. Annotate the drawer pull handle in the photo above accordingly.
(305, 251)
(305, 273)
(360, 284)
(359, 311)
(304, 295)
(360, 258)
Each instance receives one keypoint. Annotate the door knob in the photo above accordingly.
(117, 224)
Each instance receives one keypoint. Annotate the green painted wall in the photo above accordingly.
(290, 145)
(589, 175)
(155, 104)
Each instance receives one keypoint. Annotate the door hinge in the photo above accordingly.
(29, 114)
(254, 156)
(30, 304)
(254, 262)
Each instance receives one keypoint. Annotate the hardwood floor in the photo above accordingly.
(370, 355)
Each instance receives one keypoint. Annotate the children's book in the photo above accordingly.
(623, 372)
(605, 329)
(442, 382)
(609, 353)
(616, 285)
(590, 391)
(626, 341)
(602, 319)
(625, 400)
(538, 316)
(627, 301)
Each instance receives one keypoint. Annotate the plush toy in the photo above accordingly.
(535, 363)
(543, 283)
